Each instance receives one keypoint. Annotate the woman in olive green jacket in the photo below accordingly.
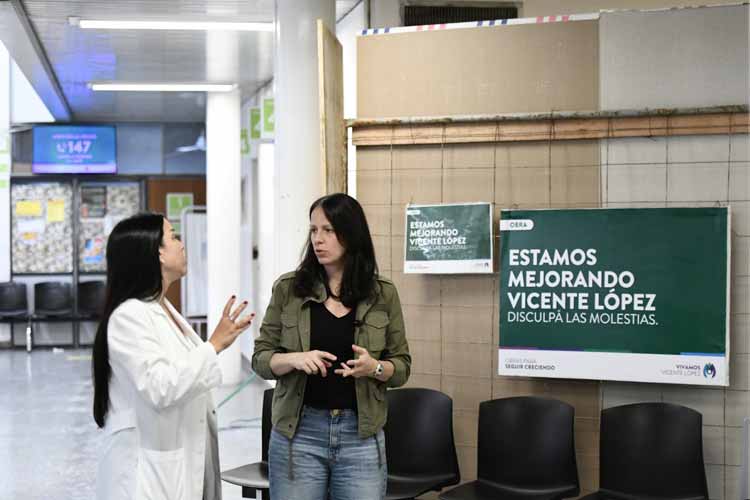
(333, 337)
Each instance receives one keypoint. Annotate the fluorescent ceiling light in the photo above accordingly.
(101, 24)
(161, 87)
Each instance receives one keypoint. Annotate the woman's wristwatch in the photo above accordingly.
(378, 370)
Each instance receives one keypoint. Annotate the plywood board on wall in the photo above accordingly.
(331, 109)
(503, 69)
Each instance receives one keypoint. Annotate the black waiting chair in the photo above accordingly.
(420, 450)
(52, 300)
(526, 451)
(254, 477)
(91, 296)
(13, 303)
(651, 450)
(14, 307)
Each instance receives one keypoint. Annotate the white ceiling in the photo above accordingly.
(79, 56)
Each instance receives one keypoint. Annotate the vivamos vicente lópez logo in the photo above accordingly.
(709, 370)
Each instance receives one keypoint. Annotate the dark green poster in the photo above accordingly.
(448, 239)
(618, 294)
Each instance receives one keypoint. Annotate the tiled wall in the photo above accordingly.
(695, 171)
(451, 321)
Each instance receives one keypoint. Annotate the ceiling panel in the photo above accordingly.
(79, 56)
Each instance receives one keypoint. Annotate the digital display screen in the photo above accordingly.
(74, 149)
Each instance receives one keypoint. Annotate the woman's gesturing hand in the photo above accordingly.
(363, 366)
(312, 362)
(230, 327)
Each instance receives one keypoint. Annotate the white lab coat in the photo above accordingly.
(154, 446)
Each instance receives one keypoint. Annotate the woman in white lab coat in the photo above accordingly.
(153, 374)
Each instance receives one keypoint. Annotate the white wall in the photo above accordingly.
(675, 58)
(347, 30)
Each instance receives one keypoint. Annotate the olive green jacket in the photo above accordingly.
(379, 328)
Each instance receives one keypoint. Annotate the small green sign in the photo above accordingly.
(4, 143)
(255, 119)
(4, 184)
(176, 202)
(3, 168)
(268, 118)
(245, 144)
(448, 239)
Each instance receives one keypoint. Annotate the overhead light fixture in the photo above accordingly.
(161, 87)
(102, 24)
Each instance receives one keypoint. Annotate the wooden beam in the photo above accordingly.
(448, 130)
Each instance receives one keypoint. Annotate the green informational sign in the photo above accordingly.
(176, 202)
(244, 142)
(4, 169)
(448, 239)
(255, 123)
(4, 143)
(268, 118)
(4, 184)
(616, 294)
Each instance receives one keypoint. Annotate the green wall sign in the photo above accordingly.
(615, 294)
(448, 239)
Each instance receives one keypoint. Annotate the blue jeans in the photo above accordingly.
(328, 460)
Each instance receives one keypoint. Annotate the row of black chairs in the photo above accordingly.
(526, 450)
(53, 301)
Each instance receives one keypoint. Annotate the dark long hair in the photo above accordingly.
(360, 268)
(133, 272)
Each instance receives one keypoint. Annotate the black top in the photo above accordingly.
(335, 335)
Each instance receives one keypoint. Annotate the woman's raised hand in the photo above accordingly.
(231, 325)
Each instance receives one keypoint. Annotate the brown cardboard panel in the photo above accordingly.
(417, 289)
(374, 187)
(425, 356)
(588, 471)
(373, 158)
(523, 154)
(422, 322)
(581, 395)
(378, 219)
(508, 387)
(467, 324)
(417, 157)
(523, 68)
(575, 153)
(467, 392)
(575, 185)
(503, 188)
(530, 186)
(469, 155)
(382, 252)
(468, 185)
(417, 186)
(466, 360)
(424, 381)
(465, 431)
(467, 462)
(398, 219)
(587, 435)
(397, 253)
(469, 290)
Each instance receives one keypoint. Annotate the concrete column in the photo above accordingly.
(5, 108)
(298, 179)
(223, 206)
